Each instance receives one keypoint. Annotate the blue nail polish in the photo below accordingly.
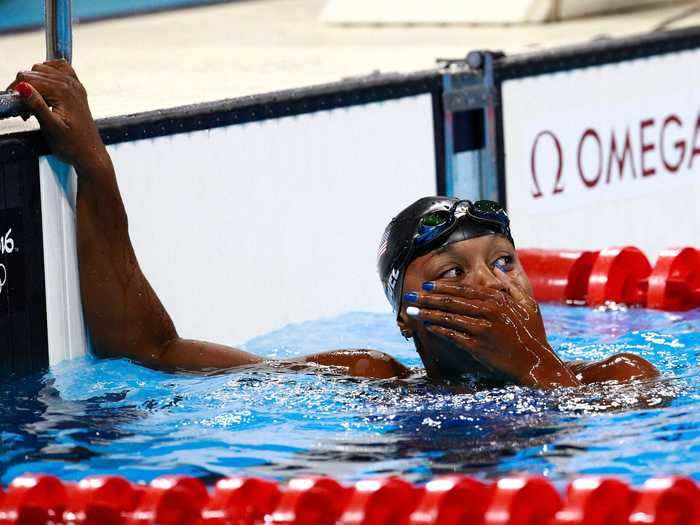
(411, 297)
(428, 286)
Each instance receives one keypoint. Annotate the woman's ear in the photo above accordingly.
(403, 326)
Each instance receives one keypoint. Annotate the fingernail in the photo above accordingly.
(413, 311)
(428, 286)
(411, 297)
(24, 90)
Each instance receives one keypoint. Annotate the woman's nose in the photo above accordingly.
(483, 276)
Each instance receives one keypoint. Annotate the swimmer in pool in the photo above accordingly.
(449, 269)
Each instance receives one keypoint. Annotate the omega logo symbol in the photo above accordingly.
(599, 157)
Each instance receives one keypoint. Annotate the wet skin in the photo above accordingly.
(482, 321)
(469, 308)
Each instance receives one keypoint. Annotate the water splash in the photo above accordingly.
(89, 416)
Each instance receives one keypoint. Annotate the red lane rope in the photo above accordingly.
(36, 499)
(620, 275)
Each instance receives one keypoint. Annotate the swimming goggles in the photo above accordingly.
(435, 226)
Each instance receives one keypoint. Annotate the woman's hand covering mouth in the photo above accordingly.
(502, 330)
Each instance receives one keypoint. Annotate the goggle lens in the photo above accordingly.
(432, 225)
(436, 218)
(491, 212)
(487, 207)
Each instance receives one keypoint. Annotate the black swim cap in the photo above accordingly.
(397, 249)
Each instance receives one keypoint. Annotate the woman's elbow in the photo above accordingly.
(377, 365)
(624, 366)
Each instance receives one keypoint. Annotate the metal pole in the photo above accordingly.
(59, 44)
(59, 37)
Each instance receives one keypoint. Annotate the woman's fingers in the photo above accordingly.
(52, 70)
(49, 71)
(33, 100)
(48, 86)
(471, 325)
(62, 66)
(49, 79)
(451, 303)
(517, 293)
(461, 290)
(465, 341)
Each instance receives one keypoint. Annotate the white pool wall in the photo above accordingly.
(651, 202)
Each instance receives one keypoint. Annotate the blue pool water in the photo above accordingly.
(88, 416)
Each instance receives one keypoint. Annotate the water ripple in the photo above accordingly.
(89, 416)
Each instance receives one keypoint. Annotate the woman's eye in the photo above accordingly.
(452, 273)
(505, 263)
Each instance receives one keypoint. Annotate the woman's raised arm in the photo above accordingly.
(124, 315)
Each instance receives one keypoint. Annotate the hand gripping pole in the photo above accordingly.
(59, 44)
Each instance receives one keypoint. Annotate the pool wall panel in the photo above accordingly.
(246, 228)
(602, 144)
